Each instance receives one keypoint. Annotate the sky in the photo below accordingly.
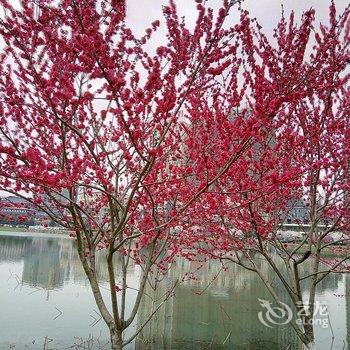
(141, 13)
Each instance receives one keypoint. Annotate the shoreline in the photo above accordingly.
(48, 230)
(333, 250)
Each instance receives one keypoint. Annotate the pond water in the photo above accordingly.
(46, 303)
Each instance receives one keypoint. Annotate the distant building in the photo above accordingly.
(297, 212)
(14, 210)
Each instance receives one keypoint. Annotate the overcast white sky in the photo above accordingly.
(141, 13)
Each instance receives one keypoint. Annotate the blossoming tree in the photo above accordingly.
(303, 158)
(92, 123)
(147, 151)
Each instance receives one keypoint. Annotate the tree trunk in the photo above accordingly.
(116, 340)
(309, 346)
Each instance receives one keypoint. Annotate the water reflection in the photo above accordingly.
(217, 311)
(47, 262)
(225, 315)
